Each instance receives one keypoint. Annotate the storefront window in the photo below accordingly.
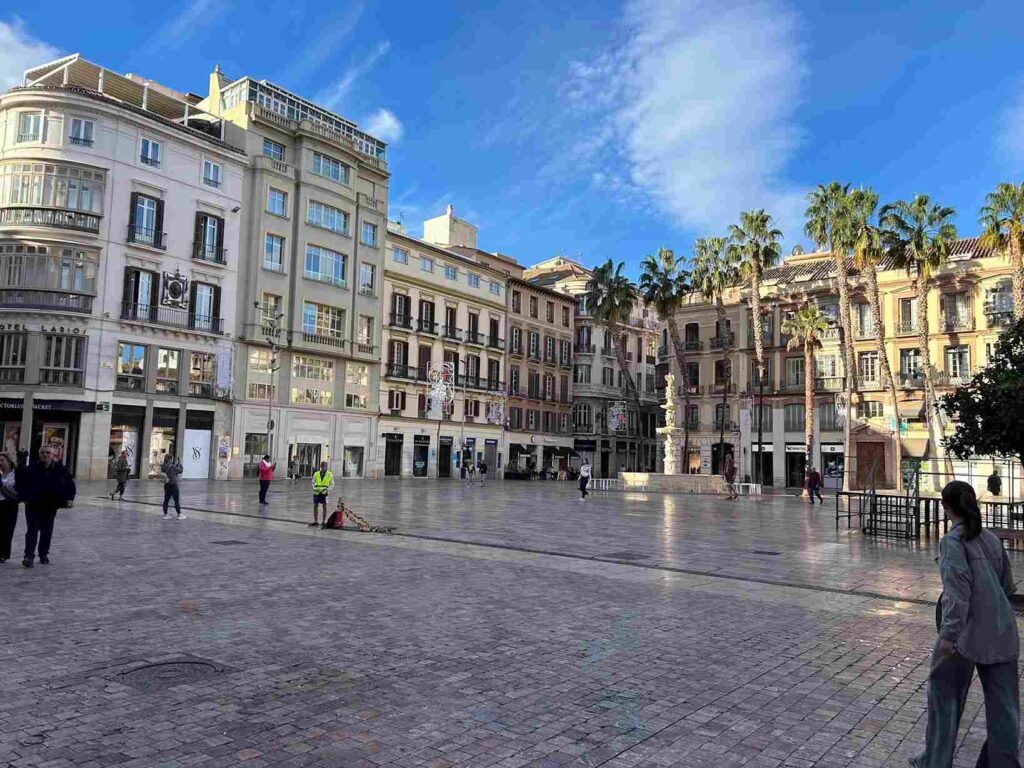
(131, 367)
(167, 368)
(202, 374)
(353, 466)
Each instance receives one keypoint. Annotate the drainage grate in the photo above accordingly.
(625, 556)
(764, 552)
(166, 674)
(230, 543)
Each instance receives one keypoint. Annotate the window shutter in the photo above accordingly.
(134, 204)
(128, 289)
(220, 236)
(215, 311)
(422, 402)
(154, 292)
(199, 241)
(158, 234)
(192, 298)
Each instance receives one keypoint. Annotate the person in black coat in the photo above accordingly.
(45, 487)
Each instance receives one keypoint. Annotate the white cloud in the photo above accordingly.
(328, 37)
(334, 94)
(1011, 134)
(696, 108)
(384, 125)
(19, 51)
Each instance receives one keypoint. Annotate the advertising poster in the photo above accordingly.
(12, 438)
(223, 456)
(56, 436)
(195, 460)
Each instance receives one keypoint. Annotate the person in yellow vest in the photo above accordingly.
(323, 481)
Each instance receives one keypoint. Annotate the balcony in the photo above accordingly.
(495, 343)
(607, 351)
(152, 162)
(55, 218)
(693, 345)
(12, 374)
(533, 354)
(424, 325)
(211, 253)
(323, 339)
(494, 385)
(629, 357)
(793, 385)
(720, 387)
(371, 202)
(147, 236)
(565, 362)
(906, 327)
(956, 323)
(829, 383)
(721, 342)
(58, 301)
(683, 389)
(730, 426)
(211, 182)
(650, 360)
(400, 320)
(171, 317)
(869, 382)
(202, 389)
(944, 379)
(912, 380)
(474, 337)
(401, 371)
(60, 377)
(451, 333)
(862, 333)
(998, 317)
(79, 141)
(585, 349)
(473, 381)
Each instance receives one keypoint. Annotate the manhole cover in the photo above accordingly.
(625, 556)
(764, 552)
(229, 543)
(166, 674)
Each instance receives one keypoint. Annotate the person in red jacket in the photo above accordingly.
(266, 473)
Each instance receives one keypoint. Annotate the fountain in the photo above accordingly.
(670, 428)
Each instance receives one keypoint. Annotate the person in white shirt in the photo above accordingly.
(584, 479)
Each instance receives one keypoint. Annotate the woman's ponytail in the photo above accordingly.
(960, 497)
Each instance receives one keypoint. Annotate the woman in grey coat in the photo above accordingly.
(977, 630)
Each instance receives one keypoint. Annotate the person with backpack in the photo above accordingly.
(45, 487)
(171, 470)
(584, 480)
(122, 471)
(323, 482)
(266, 474)
(483, 473)
(977, 631)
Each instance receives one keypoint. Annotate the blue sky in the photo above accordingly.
(604, 129)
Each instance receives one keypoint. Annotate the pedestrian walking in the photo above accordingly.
(977, 629)
(171, 470)
(995, 483)
(730, 478)
(584, 480)
(323, 481)
(814, 485)
(266, 473)
(483, 473)
(8, 505)
(293, 470)
(122, 471)
(470, 473)
(45, 487)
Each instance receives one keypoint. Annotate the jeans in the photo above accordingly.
(948, 683)
(584, 482)
(40, 529)
(8, 522)
(119, 491)
(816, 491)
(264, 486)
(171, 492)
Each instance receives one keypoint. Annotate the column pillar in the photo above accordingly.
(146, 440)
(25, 441)
(179, 432)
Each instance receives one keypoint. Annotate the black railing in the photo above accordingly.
(451, 332)
(171, 317)
(215, 183)
(79, 141)
(474, 382)
(400, 371)
(150, 161)
(34, 298)
(495, 343)
(474, 337)
(12, 375)
(693, 345)
(400, 320)
(585, 349)
(829, 383)
(565, 362)
(999, 318)
(206, 252)
(60, 377)
(952, 323)
(424, 325)
(720, 342)
(201, 389)
(493, 385)
(147, 236)
(50, 217)
(730, 426)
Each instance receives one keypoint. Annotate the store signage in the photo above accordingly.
(796, 448)
(490, 441)
(81, 406)
(836, 448)
(767, 448)
(42, 328)
(421, 439)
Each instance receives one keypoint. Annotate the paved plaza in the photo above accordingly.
(508, 625)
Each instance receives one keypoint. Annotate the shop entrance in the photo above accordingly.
(765, 473)
(716, 464)
(308, 457)
(444, 458)
(420, 455)
(125, 435)
(392, 455)
(491, 457)
(831, 468)
(796, 466)
(605, 459)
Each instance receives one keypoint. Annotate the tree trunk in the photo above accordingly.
(1017, 265)
(808, 408)
(680, 350)
(632, 393)
(921, 288)
(755, 305)
(724, 336)
(888, 381)
(846, 345)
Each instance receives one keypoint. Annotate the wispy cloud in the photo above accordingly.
(193, 16)
(19, 51)
(696, 109)
(332, 96)
(1011, 134)
(384, 125)
(328, 38)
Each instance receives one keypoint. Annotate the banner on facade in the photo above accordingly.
(225, 360)
(617, 417)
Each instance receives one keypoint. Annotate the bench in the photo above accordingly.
(749, 489)
(1009, 534)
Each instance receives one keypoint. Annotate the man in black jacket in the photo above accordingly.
(45, 487)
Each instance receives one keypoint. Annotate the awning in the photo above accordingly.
(913, 410)
(914, 448)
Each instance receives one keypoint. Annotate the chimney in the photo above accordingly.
(450, 210)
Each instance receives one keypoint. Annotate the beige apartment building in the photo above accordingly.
(610, 430)
(969, 304)
(444, 321)
(313, 228)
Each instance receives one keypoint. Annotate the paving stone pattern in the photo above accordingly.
(345, 649)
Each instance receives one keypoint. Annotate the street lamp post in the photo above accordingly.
(271, 332)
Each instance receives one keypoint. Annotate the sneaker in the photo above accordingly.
(27, 563)
(165, 517)
(314, 524)
(44, 560)
(181, 517)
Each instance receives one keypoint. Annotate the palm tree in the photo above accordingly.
(756, 241)
(663, 285)
(805, 327)
(715, 270)
(868, 250)
(1002, 221)
(828, 224)
(610, 297)
(920, 237)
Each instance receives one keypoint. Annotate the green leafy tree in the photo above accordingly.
(1002, 221)
(715, 271)
(611, 297)
(805, 327)
(988, 411)
(663, 286)
(920, 236)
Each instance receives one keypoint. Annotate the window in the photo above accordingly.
(563, 388)
(211, 174)
(515, 418)
(270, 308)
(516, 343)
(549, 349)
(167, 361)
(357, 385)
(56, 186)
(517, 302)
(533, 340)
(277, 202)
(549, 387)
(426, 264)
(794, 371)
(260, 374)
(314, 377)
(533, 306)
(396, 400)
(30, 126)
(399, 255)
(565, 352)
(531, 420)
(474, 280)
(547, 421)
(327, 217)
(326, 322)
(62, 360)
(608, 377)
(513, 380)
(139, 294)
(581, 374)
(723, 373)
(364, 332)
(202, 374)
(81, 132)
(583, 417)
(764, 412)
(131, 367)
(495, 288)
(873, 409)
(273, 250)
(958, 361)
(367, 279)
(907, 311)
(325, 265)
(955, 311)
(369, 234)
(867, 367)
(550, 312)
(273, 150)
(828, 419)
(794, 417)
(565, 316)
(330, 168)
(910, 363)
(755, 372)
(146, 221)
(149, 153)
(865, 322)
(828, 366)
(209, 238)
(205, 307)
(450, 272)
